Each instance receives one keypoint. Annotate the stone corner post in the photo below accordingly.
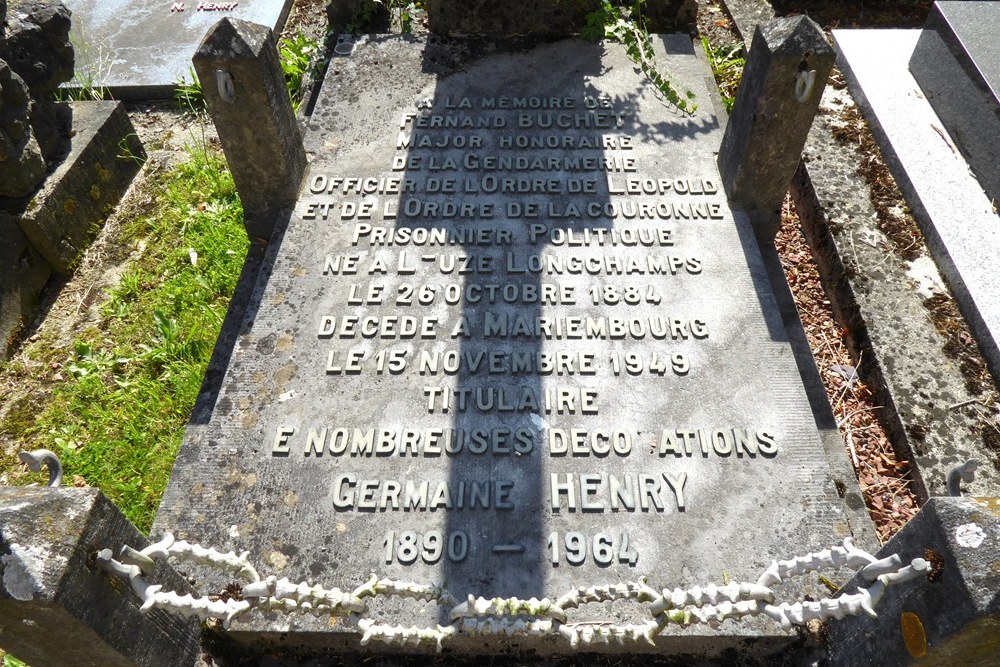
(58, 607)
(953, 616)
(244, 88)
(784, 78)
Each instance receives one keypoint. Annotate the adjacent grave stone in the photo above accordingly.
(957, 65)
(958, 218)
(140, 50)
(513, 341)
(70, 208)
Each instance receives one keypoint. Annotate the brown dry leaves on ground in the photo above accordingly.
(881, 475)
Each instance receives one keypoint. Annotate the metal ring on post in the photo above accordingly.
(962, 473)
(35, 459)
(804, 83)
(224, 82)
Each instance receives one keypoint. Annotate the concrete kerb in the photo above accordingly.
(63, 217)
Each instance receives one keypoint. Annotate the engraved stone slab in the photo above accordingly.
(140, 50)
(514, 341)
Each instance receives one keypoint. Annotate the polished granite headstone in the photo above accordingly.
(957, 64)
(513, 341)
(140, 50)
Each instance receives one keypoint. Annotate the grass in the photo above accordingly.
(126, 386)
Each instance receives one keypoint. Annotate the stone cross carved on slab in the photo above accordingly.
(245, 92)
(784, 78)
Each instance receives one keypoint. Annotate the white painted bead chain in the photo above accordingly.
(514, 617)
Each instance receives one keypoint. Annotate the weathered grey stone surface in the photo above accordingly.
(58, 608)
(39, 50)
(545, 18)
(38, 45)
(140, 50)
(875, 295)
(958, 608)
(254, 119)
(956, 216)
(3, 23)
(771, 117)
(956, 64)
(23, 274)
(22, 166)
(64, 216)
(747, 15)
(247, 478)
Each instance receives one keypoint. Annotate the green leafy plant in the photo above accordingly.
(188, 94)
(120, 395)
(92, 361)
(298, 56)
(727, 63)
(408, 13)
(624, 25)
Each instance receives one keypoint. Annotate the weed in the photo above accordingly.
(188, 94)
(125, 152)
(727, 63)
(87, 83)
(624, 25)
(408, 13)
(298, 57)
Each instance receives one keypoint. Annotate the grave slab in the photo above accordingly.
(956, 216)
(957, 66)
(140, 50)
(513, 341)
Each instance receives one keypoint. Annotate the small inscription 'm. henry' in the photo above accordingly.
(205, 7)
